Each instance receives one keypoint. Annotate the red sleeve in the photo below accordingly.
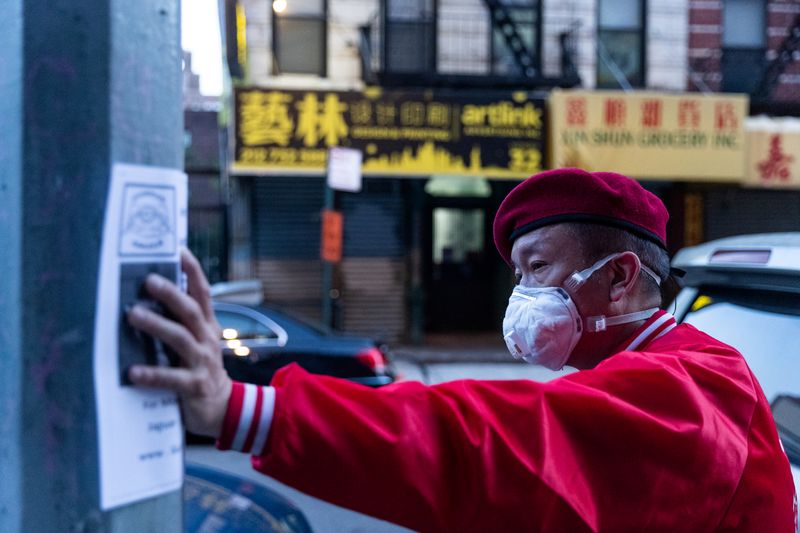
(615, 448)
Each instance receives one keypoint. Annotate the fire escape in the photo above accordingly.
(527, 72)
(785, 56)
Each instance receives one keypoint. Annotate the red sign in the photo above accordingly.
(651, 113)
(777, 164)
(332, 232)
(615, 112)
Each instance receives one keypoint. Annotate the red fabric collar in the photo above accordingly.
(654, 327)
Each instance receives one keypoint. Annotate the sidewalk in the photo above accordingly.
(461, 347)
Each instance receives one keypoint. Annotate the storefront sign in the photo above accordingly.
(400, 133)
(649, 135)
(773, 152)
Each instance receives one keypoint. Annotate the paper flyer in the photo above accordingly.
(140, 434)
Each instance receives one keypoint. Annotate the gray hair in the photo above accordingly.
(597, 241)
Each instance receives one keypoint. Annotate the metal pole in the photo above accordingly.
(327, 268)
(83, 84)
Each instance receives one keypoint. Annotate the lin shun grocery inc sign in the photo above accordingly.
(650, 135)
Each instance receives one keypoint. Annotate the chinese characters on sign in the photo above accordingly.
(399, 133)
(650, 135)
(772, 148)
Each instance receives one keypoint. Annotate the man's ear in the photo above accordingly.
(625, 271)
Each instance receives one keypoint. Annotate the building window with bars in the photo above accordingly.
(743, 44)
(299, 36)
(526, 16)
(409, 36)
(620, 44)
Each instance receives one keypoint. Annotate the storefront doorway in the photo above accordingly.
(466, 281)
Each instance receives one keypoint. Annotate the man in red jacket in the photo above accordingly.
(664, 429)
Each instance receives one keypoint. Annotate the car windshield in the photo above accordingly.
(306, 321)
(237, 326)
(763, 325)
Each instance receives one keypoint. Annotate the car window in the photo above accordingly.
(237, 326)
(763, 325)
(786, 410)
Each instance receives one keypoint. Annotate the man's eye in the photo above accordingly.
(536, 266)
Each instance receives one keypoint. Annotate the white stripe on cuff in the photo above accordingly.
(246, 416)
(264, 421)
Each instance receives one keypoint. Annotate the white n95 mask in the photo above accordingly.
(542, 324)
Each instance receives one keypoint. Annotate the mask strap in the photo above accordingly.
(601, 323)
(574, 282)
(650, 273)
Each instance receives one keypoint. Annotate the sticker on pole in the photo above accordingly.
(140, 435)
(344, 169)
(332, 232)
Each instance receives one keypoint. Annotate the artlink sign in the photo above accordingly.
(650, 135)
(404, 133)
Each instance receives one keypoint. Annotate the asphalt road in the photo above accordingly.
(327, 518)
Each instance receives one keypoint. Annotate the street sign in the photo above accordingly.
(344, 169)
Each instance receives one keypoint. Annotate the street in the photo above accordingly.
(325, 517)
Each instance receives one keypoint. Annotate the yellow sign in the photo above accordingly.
(406, 133)
(649, 135)
(773, 152)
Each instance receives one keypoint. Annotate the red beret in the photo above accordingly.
(574, 195)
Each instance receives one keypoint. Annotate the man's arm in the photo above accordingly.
(605, 449)
(408, 453)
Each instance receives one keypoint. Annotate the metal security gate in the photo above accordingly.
(285, 233)
(372, 277)
(734, 211)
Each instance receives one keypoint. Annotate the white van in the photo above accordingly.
(745, 291)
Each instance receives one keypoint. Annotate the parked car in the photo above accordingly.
(223, 503)
(258, 340)
(745, 291)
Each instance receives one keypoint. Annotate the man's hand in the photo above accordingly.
(201, 382)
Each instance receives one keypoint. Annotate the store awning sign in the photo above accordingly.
(773, 152)
(650, 135)
(400, 133)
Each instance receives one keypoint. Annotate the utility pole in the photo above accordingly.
(84, 84)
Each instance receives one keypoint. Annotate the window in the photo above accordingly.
(526, 17)
(409, 43)
(620, 44)
(299, 36)
(240, 327)
(457, 235)
(743, 44)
